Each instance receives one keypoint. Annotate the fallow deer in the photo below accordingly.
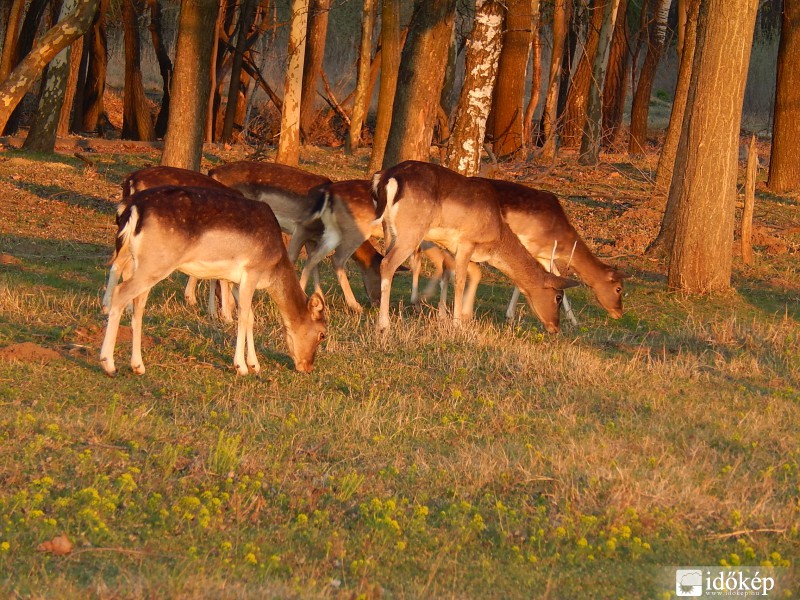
(539, 221)
(286, 190)
(421, 201)
(157, 176)
(211, 234)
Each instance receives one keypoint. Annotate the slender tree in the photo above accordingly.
(183, 142)
(483, 53)
(536, 74)
(419, 82)
(42, 134)
(707, 159)
(784, 167)
(14, 10)
(137, 122)
(289, 143)
(92, 110)
(75, 54)
(164, 65)
(247, 13)
(615, 87)
(363, 82)
(49, 45)
(666, 161)
(509, 91)
(657, 32)
(390, 66)
(592, 128)
(550, 113)
(312, 64)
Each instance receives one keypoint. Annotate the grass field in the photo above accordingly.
(487, 461)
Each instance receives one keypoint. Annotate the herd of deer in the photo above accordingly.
(227, 226)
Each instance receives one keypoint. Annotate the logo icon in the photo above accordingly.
(689, 582)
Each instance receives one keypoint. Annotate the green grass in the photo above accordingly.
(487, 461)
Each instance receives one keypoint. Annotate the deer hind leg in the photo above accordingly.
(227, 301)
(511, 311)
(400, 251)
(462, 258)
(442, 261)
(340, 257)
(252, 359)
(329, 242)
(415, 261)
(189, 292)
(473, 278)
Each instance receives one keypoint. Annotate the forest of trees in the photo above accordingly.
(463, 75)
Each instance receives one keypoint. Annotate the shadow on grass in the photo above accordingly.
(99, 204)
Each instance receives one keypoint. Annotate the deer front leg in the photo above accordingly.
(246, 289)
(252, 359)
(137, 363)
(512, 305)
(189, 291)
(463, 255)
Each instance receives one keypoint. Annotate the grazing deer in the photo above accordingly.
(420, 201)
(539, 221)
(157, 176)
(211, 234)
(286, 190)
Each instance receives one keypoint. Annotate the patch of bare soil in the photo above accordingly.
(28, 352)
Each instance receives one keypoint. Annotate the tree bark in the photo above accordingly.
(42, 134)
(289, 144)
(616, 84)
(183, 142)
(666, 161)
(360, 105)
(312, 64)
(419, 83)
(137, 123)
(574, 115)
(784, 167)
(246, 15)
(390, 66)
(50, 44)
(593, 126)
(483, 53)
(707, 159)
(641, 97)
(536, 74)
(509, 91)
(8, 59)
(94, 89)
(164, 66)
(75, 54)
(550, 113)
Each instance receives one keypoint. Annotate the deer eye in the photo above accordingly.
(321, 336)
(619, 290)
(559, 298)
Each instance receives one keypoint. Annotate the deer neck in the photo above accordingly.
(586, 264)
(285, 291)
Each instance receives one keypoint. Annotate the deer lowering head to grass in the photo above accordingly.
(287, 191)
(211, 234)
(420, 201)
(151, 177)
(540, 223)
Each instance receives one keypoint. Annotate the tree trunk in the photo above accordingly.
(289, 144)
(25, 39)
(707, 159)
(550, 113)
(137, 123)
(246, 15)
(360, 105)
(640, 108)
(50, 44)
(183, 142)
(616, 85)
(312, 66)
(419, 83)
(593, 126)
(42, 134)
(75, 55)
(164, 66)
(578, 95)
(483, 52)
(8, 59)
(536, 74)
(94, 89)
(509, 91)
(390, 65)
(666, 161)
(784, 167)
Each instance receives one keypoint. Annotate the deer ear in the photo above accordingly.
(559, 283)
(316, 306)
(616, 275)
